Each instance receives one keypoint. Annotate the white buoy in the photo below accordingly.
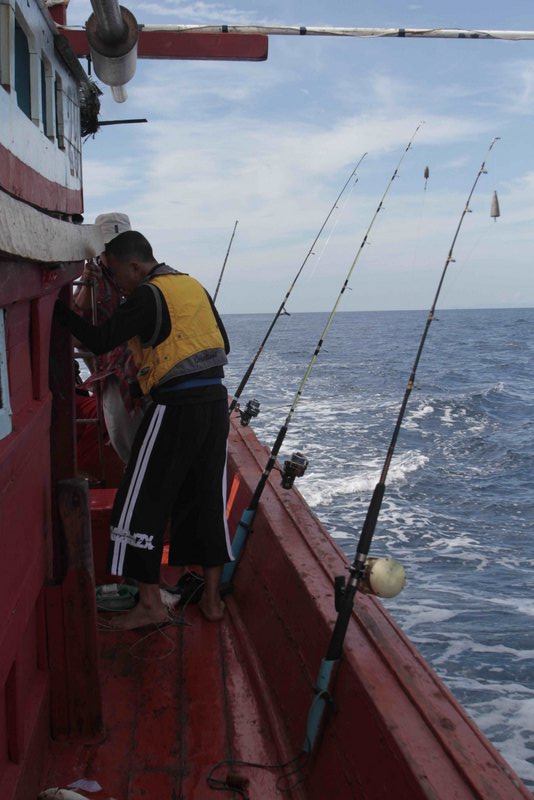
(384, 577)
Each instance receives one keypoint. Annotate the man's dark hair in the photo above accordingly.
(131, 246)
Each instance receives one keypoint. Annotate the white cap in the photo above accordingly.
(112, 224)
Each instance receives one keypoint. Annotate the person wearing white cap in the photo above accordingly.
(177, 468)
(115, 371)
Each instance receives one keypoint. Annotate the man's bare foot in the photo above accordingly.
(213, 611)
(210, 604)
(139, 617)
(149, 611)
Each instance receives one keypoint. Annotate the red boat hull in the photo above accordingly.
(203, 693)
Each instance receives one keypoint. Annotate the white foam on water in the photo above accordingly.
(323, 491)
(522, 604)
(507, 720)
(343, 535)
(319, 490)
(422, 614)
(404, 465)
(411, 419)
(458, 646)
(447, 416)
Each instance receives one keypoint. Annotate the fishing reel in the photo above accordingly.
(295, 467)
(382, 577)
(252, 409)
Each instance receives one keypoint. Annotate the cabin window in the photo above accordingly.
(47, 100)
(5, 406)
(60, 118)
(22, 70)
(5, 47)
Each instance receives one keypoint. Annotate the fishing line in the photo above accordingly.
(476, 244)
(281, 309)
(224, 263)
(247, 517)
(333, 229)
(345, 591)
(239, 783)
(417, 240)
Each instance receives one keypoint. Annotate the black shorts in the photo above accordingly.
(177, 470)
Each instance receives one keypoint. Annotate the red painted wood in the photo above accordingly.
(242, 688)
(58, 13)
(257, 729)
(15, 727)
(41, 322)
(191, 46)
(138, 753)
(25, 524)
(203, 704)
(37, 725)
(398, 731)
(18, 280)
(55, 626)
(25, 516)
(101, 504)
(63, 427)
(17, 322)
(26, 183)
(21, 782)
(23, 280)
(25, 521)
(79, 611)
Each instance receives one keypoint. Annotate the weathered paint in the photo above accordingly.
(30, 185)
(191, 46)
(27, 233)
(397, 730)
(40, 167)
(27, 523)
(191, 696)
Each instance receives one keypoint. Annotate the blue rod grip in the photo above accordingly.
(238, 543)
(315, 714)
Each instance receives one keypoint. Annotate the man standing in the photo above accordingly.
(177, 467)
(113, 371)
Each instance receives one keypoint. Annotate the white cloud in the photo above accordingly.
(271, 144)
(518, 89)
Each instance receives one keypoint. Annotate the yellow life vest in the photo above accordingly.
(195, 342)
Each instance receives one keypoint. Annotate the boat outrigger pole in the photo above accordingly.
(281, 309)
(363, 33)
(247, 517)
(346, 591)
(224, 262)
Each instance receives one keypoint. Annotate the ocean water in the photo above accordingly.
(458, 511)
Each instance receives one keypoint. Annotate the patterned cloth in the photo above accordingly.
(119, 361)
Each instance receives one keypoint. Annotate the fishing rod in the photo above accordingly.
(253, 406)
(224, 263)
(297, 465)
(361, 566)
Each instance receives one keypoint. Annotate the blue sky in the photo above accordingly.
(271, 144)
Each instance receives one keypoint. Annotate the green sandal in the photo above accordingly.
(116, 597)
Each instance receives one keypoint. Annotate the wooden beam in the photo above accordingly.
(79, 611)
(187, 46)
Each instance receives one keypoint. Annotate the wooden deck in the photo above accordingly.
(177, 701)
